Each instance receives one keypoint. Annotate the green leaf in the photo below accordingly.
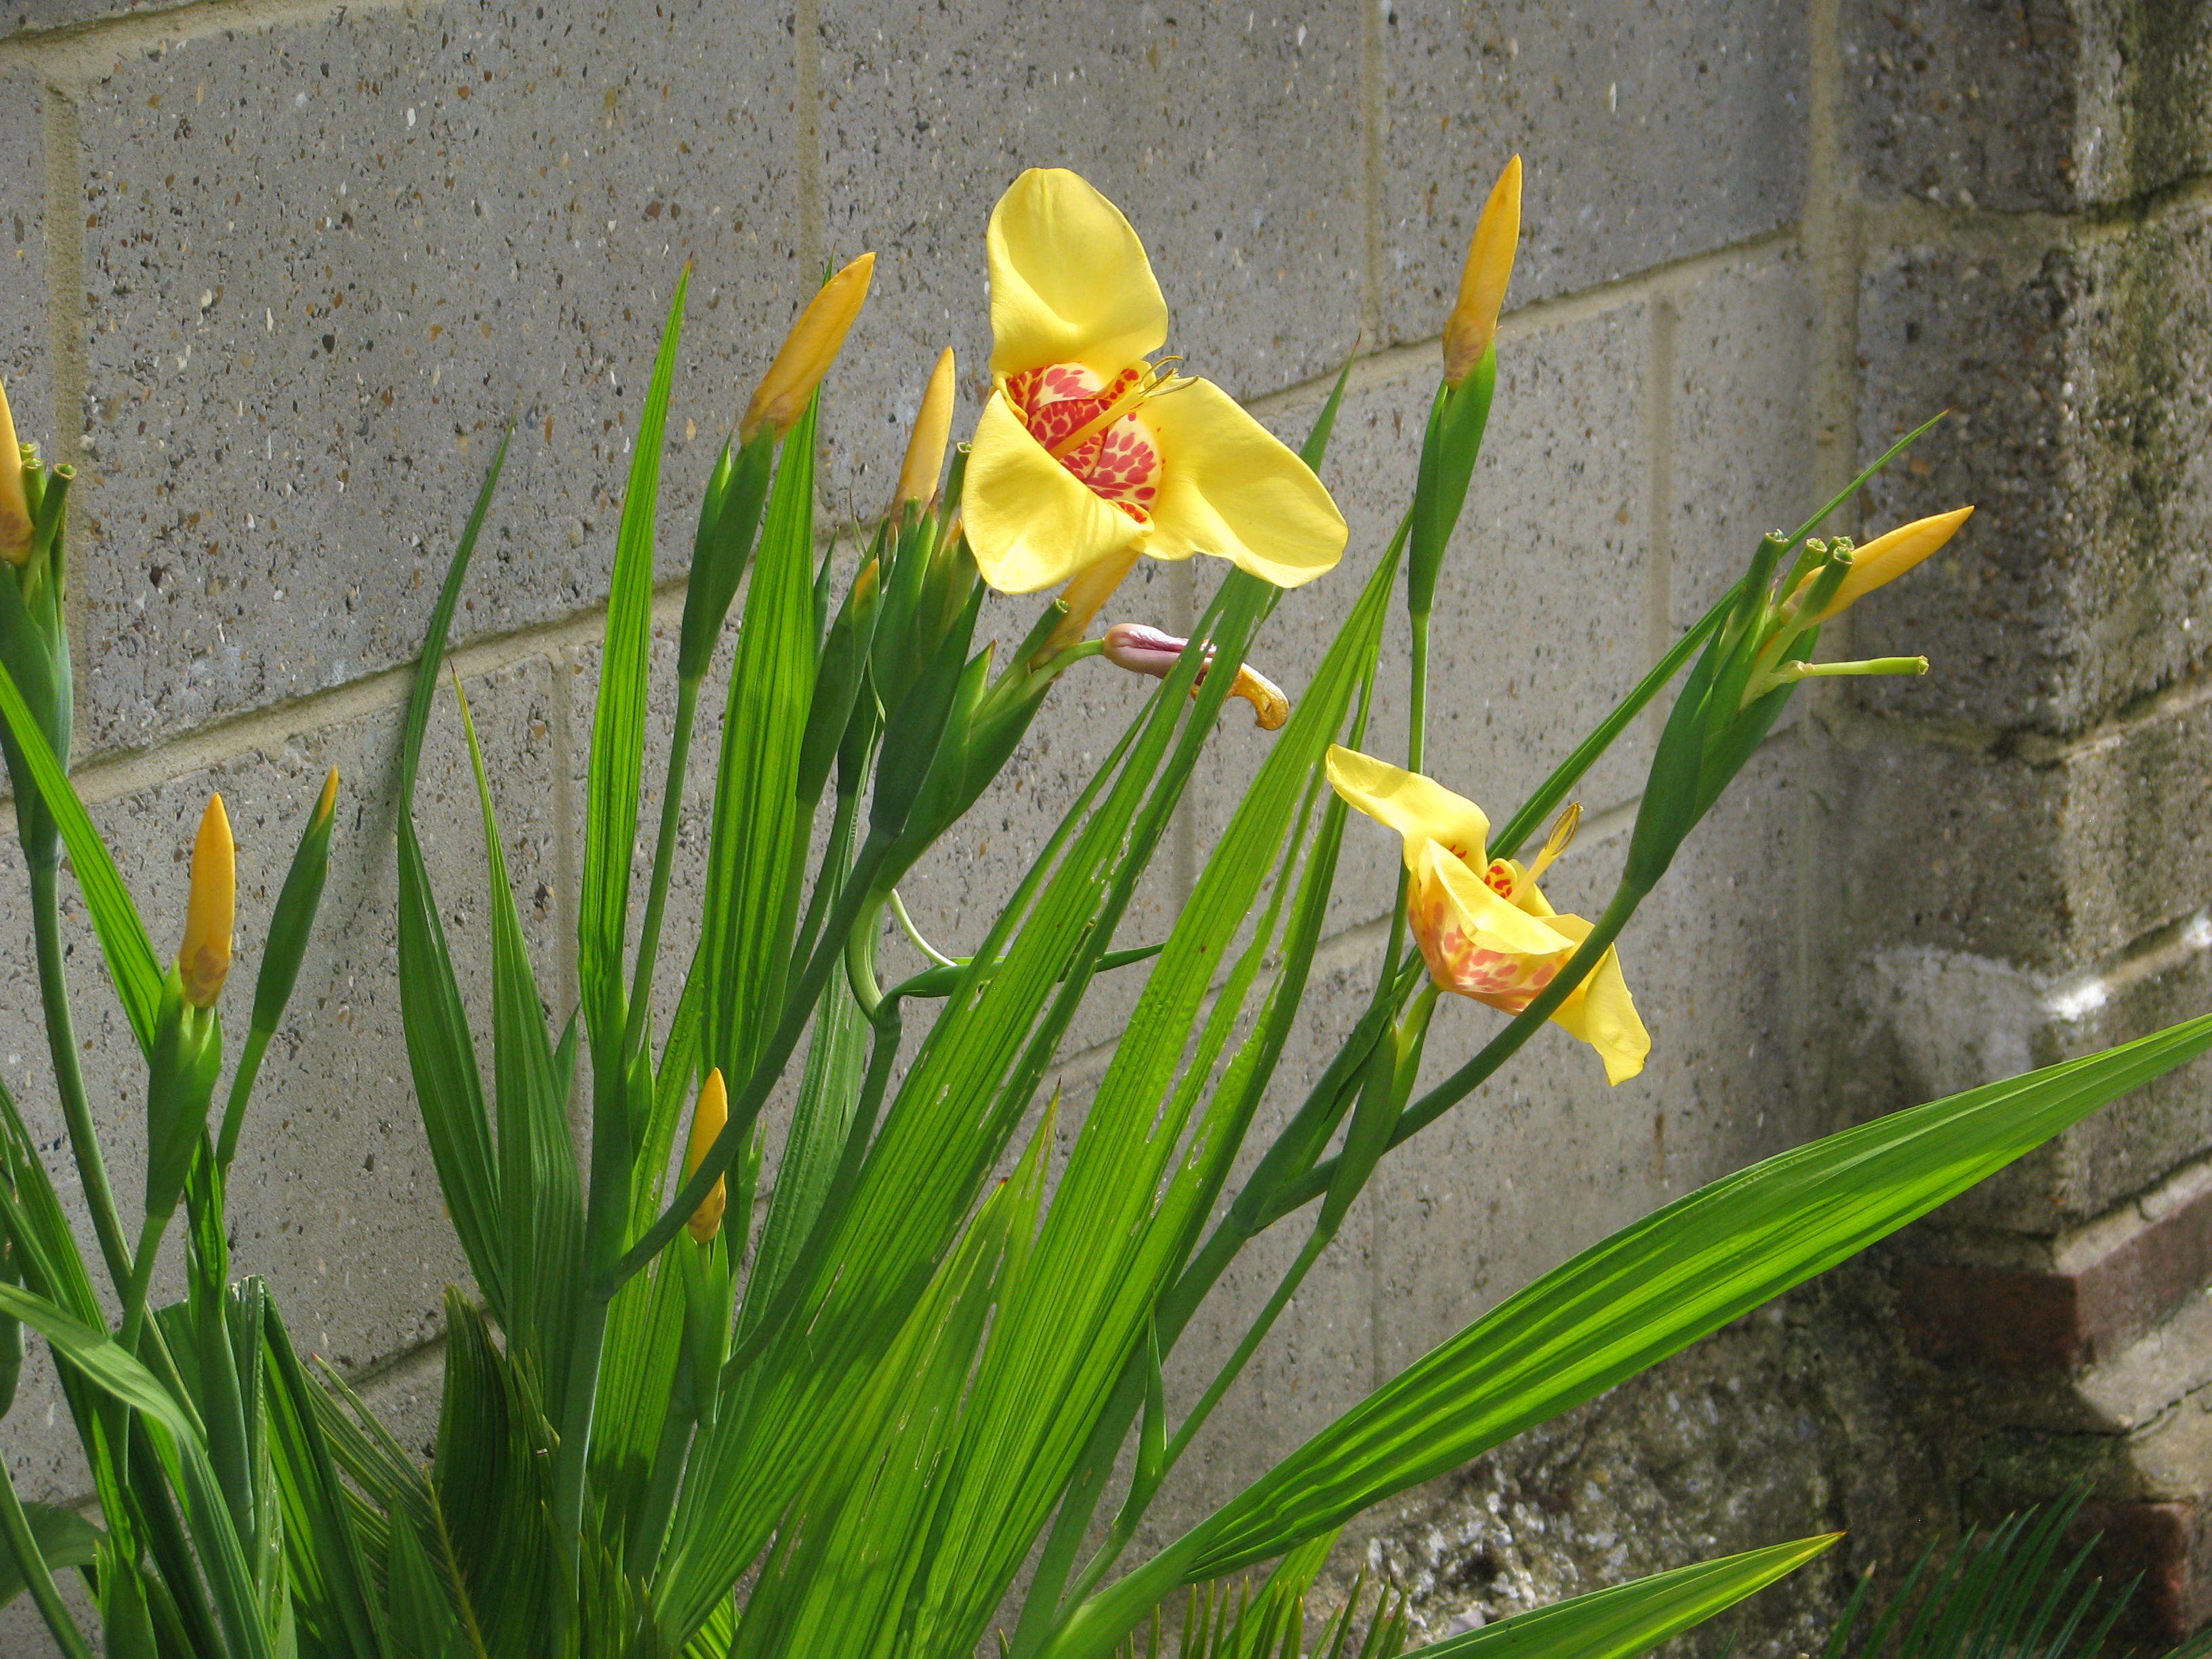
(440, 1054)
(494, 1483)
(180, 1442)
(1630, 1619)
(759, 835)
(115, 919)
(1655, 1287)
(544, 1247)
(618, 756)
(65, 1538)
(323, 1545)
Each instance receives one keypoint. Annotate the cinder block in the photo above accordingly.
(1741, 462)
(2103, 842)
(26, 316)
(2046, 105)
(1229, 137)
(1648, 135)
(22, 17)
(329, 262)
(2081, 431)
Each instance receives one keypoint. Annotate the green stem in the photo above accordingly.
(141, 1281)
(69, 1073)
(664, 861)
(1494, 1054)
(799, 1008)
(906, 921)
(241, 1089)
(36, 1576)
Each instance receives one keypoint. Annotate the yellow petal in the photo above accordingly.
(1031, 522)
(1473, 320)
(1418, 808)
(1069, 279)
(1488, 920)
(1228, 487)
(1887, 557)
(708, 1119)
(813, 345)
(204, 960)
(1601, 1013)
(925, 448)
(14, 505)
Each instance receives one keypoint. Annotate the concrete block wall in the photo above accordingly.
(276, 272)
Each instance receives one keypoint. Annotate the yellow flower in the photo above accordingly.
(811, 346)
(1472, 323)
(707, 1120)
(203, 962)
(925, 448)
(1483, 926)
(1086, 450)
(14, 505)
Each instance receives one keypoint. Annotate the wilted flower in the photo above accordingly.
(1143, 650)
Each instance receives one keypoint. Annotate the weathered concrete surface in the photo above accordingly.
(292, 268)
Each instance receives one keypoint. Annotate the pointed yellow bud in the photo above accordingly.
(328, 802)
(14, 505)
(932, 428)
(1887, 557)
(1473, 320)
(1084, 598)
(813, 345)
(712, 1113)
(204, 961)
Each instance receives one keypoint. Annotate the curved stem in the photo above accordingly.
(69, 1073)
(898, 909)
(664, 860)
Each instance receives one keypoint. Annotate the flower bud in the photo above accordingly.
(204, 961)
(1473, 320)
(1887, 557)
(932, 428)
(708, 1119)
(1143, 650)
(14, 503)
(813, 345)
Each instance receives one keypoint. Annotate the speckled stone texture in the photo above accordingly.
(279, 273)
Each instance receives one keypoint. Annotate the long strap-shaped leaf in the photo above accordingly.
(180, 1444)
(441, 1055)
(759, 834)
(1625, 1304)
(545, 1236)
(115, 919)
(618, 721)
(1630, 1619)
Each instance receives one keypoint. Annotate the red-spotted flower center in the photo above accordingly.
(1091, 428)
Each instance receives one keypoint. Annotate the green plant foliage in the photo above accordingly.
(880, 1366)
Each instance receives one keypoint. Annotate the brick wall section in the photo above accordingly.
(275, 271)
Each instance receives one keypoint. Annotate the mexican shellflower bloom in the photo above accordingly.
(1484, 926)
(1088, 453)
